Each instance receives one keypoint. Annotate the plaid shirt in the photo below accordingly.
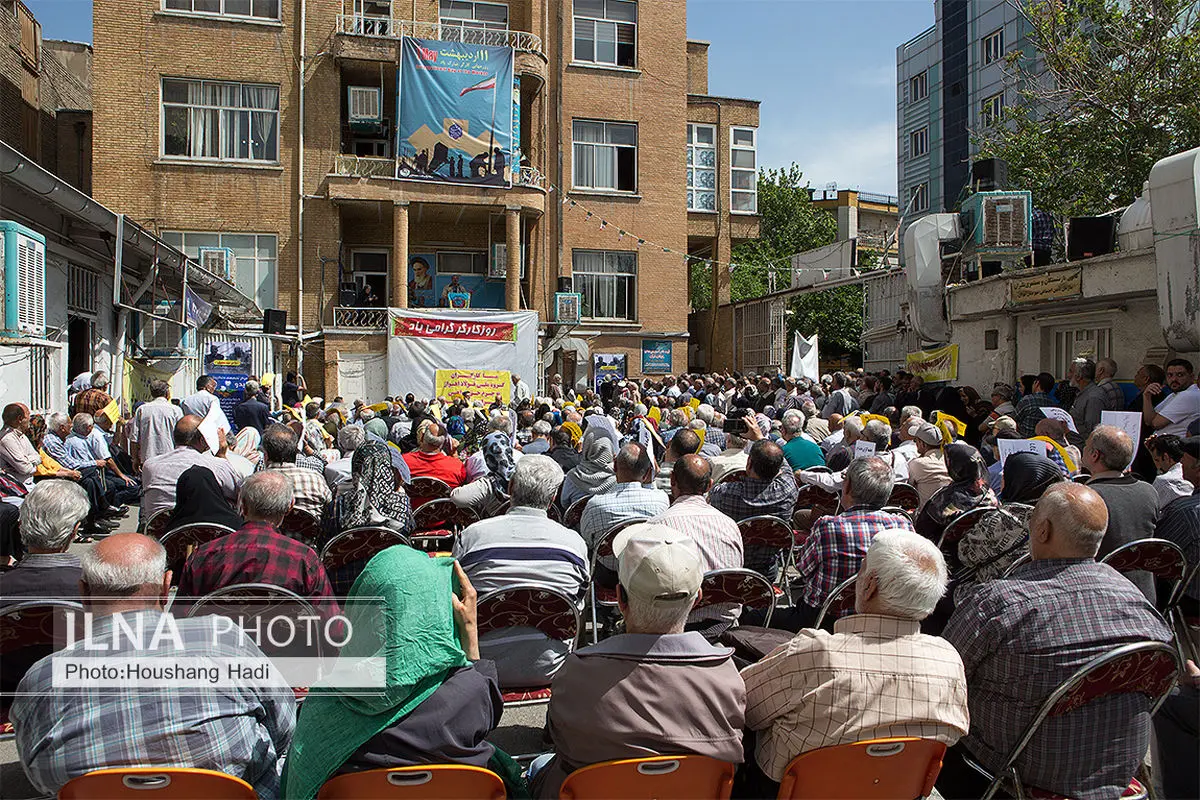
(89, 401)
(1114, 398)
(63, 733)
(310, 492)
(1027, 414)
(1042, 229)
(257, 553)
(1020, 638)
(754, 497)
(835, 549)
(624, 502)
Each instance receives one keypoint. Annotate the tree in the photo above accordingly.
(1118, 94)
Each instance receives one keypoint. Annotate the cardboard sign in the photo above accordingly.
(1054, 412)
(1009, 446)
(864, 449)
(483, 384)
(1128, 421)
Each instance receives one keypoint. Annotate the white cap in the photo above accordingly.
(927, 433)
(658, 565)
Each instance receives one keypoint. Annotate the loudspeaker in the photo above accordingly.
(566, 284)
(1090, 236)
(274, 321)
(347, 294)
(989, 175)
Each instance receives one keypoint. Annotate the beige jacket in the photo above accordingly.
(927, 474)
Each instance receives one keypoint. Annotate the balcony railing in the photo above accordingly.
(387, 28)
(368, 319)
(374, 167)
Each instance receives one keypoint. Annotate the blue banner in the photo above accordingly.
(656, 357)
(607, 367)
(229, 364)
(458, 113)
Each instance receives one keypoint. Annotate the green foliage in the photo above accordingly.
(1119, 94)
(835, 314)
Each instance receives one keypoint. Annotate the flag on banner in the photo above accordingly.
(195, 310)
(486, 83)
(805, 358)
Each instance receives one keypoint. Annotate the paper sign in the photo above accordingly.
(864, 449)
(1009, 446)
(112, 411)
(213, 421)
(483, 384)
(1062, 415)
(1128, 421)
(267, 379)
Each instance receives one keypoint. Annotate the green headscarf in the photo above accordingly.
(416, 638)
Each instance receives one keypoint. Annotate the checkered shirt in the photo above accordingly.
(622, 503)
(63, 733)
(1114, 398)
(1028, 414)
(835, 549)
(1180, 523)
(874, 677)
(89, 401)
(719, 542)
(1042, 229)
(310, 492)
(754, 497)
(1022, 637)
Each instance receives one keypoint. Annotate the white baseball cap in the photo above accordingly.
(927, 433)
(658, 565)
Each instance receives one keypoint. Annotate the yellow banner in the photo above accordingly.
(483, 384)
(137, 381)
(934, 365)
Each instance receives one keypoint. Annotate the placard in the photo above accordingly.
(483, 384)
(934, 365)
(1062, 415)
(229, 364)
(864, 449)
(1128, 421)
(607, 366)
(1007, 447)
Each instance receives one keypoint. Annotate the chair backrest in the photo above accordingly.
(443, 514)
(551, 611)
(957, 528)
(180, 542)
(1024, 559)
(604, 545)
(574, 513)
(1162, 557)
(839, 603)
(302, 525)
(427, 488)
(555, 513)
(30, 631)
(897, 511)
(733, 476)
(742, 586)
(441, 781)
(358, 544)
(256, 601)
(766, 531)
(693, 777)
(817, 499)
(906, 496)
(877, 769)
(156, 526)
(174, 783)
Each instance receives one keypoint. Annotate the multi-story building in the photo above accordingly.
(950, 84)
(867, 218)
(268, 131)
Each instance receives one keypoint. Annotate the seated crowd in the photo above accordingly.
(970, 577)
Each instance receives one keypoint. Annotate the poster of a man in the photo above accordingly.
(420, 283)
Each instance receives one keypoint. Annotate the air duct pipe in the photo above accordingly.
(923, 265)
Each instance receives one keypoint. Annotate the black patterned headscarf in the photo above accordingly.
(498, 456)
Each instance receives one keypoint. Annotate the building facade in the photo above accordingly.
(268, 131)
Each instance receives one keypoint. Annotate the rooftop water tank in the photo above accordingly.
(1136, 231)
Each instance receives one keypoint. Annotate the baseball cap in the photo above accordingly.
(657, 564)
(927, 433)
(1002, 423)
(1191, 446)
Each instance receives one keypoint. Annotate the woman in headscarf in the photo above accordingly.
(1001, 537)
(594, 475)
(439, 702)
(968, 489)
(488, 494)
(374, 498)
(247, 443)
(199, 499)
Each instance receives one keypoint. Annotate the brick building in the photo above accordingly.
(201, 136)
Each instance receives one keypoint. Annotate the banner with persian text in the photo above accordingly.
(481, 384)
(934, 365)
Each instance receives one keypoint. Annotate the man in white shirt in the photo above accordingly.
(1178, 411)
(521, 390)
(18, 457)
(152, 431)
(160, 474)
(197, 404)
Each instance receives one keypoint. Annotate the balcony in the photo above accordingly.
(373, 167)
(373, 179)
(360, 319)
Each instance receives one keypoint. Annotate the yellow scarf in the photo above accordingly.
(1062, 451)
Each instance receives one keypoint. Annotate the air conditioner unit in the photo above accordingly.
(23, 264)
(218, 261)
(365, 104)
(159, 338)
(999, 222)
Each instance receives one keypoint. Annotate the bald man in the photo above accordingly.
(1023, 636)
(66, 729)
(160, 473)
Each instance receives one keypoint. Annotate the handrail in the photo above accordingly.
(387, 28)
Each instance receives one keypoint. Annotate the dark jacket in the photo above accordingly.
(1132, 515)
(41, 576)
(252, 413)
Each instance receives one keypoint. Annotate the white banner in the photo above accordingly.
(805, 358)
(421, 342)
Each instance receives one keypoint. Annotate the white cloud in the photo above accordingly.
(852, 156)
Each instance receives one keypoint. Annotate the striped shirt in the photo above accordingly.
(310, 492)
(718, 539)
(625, 502)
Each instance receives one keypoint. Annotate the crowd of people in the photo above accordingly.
(959, 642)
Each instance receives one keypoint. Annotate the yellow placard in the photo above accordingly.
(694, 403)
(483, 384)
(267, 379)
(378, 407)
(934, 365)
(112, 411)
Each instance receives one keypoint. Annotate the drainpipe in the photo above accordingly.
(300, 208)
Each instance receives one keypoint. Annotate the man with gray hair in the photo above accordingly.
(1021, 637)
(839, 401)
(69, 729)
(338, 474)
(540, 443)
(88, 446)
(281, 447)
(50, 516)
(1090, 402)
(525, 547)
(152, 430)
(633, 498)
(252, 412)
(875, 676)
(258, 552)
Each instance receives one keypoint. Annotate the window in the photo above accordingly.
(370, 268)
(253, 9)
(920, 198)
(993, 47)
(254, 259)
(471, 22)
(455, 263)
(1094, 342)
(918, 142)
(608, 282)
(220, 121)
(990, 109)
(743, 170)
(605, 156)
(918, 87)
(606, 32)
(701, 167)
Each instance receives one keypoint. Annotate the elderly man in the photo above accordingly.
(258, 552)
(525, 547)
(50, 517)
(520, 391)
(875, 676)
(87, 445)
(927, 472)
(769, 488)
(800, 451)
(1020, 638)
(633, 498)
(840, 401)
(1106, 373)
(683, 443)
(1132, 504)
(1090, 401)
(91, 400)
(877, 433)
(161, 473)
(19, 459)
(733, 457)
(430, 461)
(152, 431)
(252, 412)
(1175, 414)
(100, 493)
(339, 474)
(540, 443)
(198, 403)
(240, 728)
(310, 492)
(655, 689)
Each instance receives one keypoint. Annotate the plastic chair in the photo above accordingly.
(876, 769)
(839, 603)
(742, 586)
(432, 782)
(773, 533)
(905, 496)
(733, 476)
(29, 631)
(549, 610)
(820, 501)
(424, 488)
(693, 777)
(955, 530)
(1014, 566)
(357, 545)
(1165, 560)
(574, 513)
(1149, 668)
(180, 542)
(438, 522)
(302, 526)
(137, 783)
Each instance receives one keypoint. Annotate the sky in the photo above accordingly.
(825, 71)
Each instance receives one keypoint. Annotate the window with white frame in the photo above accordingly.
(990, 109)
(743, 170)
(607, 279)
(920, 198)
(221, 121)
(993, 47)
(1069, 343)
(918, 142)
(247, 9)
(254, 258)
(604, 155)
(471, 21)
(606, 32)
(918, 86)
(701, 167)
